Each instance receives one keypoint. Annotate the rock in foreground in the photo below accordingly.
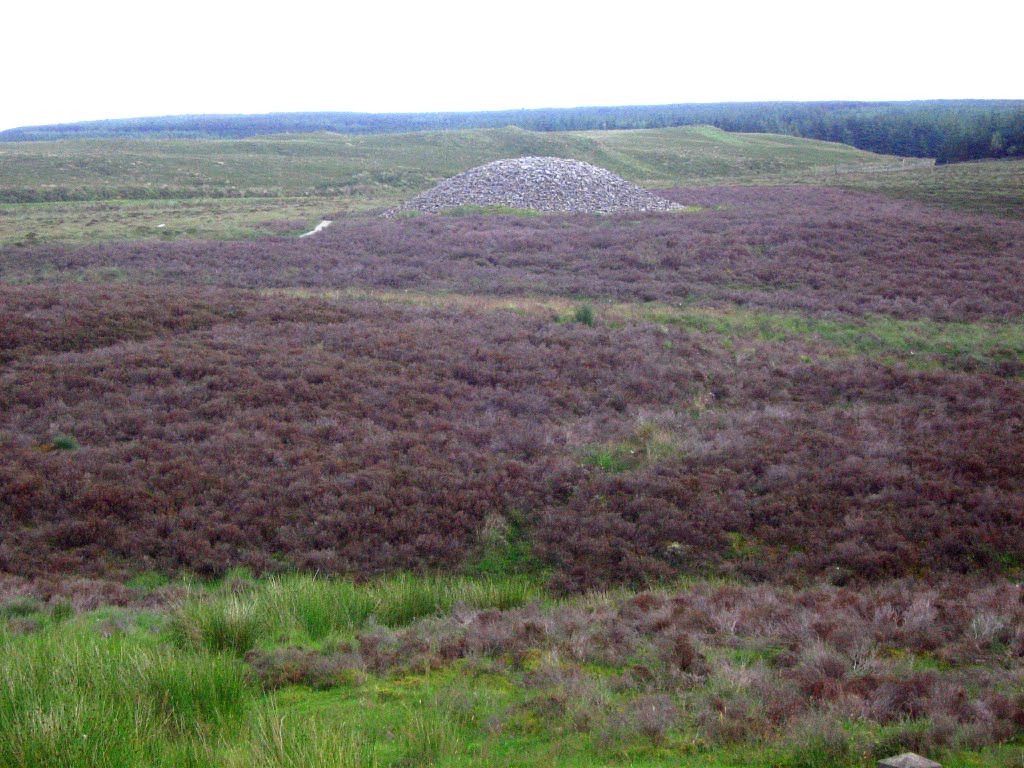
(545, 184)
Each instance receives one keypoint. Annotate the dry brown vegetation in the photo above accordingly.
(202, 428)
(811, 250)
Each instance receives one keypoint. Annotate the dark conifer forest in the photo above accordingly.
(948, 130)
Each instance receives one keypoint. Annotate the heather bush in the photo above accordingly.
(817, 251)
(282, 667)
(793, 469)
(224, 429)
(647, 719)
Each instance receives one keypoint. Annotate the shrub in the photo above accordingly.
(583, 314)
(677, 652)
(64, 443)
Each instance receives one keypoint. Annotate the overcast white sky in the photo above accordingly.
(84, 60)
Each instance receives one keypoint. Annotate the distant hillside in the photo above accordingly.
(947, 130)
(392, 166)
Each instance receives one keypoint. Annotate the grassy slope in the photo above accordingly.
(308, 164)
(991, 186)
(124, 189)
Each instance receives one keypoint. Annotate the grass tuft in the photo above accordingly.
(229, 624)
(71, 698)
(308, 609)
(280, 741)
(64, 443)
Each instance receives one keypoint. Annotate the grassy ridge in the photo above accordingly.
(193, 218)
(95, 190)
(385, 165)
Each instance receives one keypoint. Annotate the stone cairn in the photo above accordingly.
(545, 184)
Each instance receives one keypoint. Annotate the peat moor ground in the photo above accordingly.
(741, 485)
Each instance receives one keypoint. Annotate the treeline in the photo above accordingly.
(949, 131)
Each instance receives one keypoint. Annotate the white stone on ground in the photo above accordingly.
(322, 225)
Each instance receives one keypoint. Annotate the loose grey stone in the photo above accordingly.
(908, 760)
(545, 184)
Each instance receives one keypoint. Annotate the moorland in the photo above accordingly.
(737, 485)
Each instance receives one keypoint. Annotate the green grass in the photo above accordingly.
(989, 186)
(71, 698)
(612, 458)
(280, 739)
(74, 695)
(306, 609)
(919, 342)
(204, 219)
(490, 210)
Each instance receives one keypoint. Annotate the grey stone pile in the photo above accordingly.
(546, 184)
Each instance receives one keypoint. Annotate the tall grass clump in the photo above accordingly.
(426, 738)
(402, 599)
(230, 623)
(278, 741)
(64, 443)
(70, 698)
(193, 693)
(314, 607)
(305, 608)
